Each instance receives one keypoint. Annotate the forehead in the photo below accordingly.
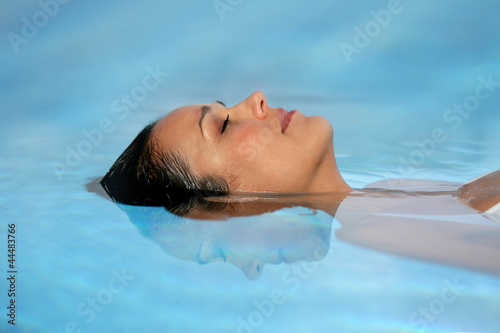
(179, 129)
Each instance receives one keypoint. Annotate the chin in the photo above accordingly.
(320, 144)
(323, 127)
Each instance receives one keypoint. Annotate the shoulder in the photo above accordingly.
(481, 193)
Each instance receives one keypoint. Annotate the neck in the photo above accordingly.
(328, 179)
(324, 192)
(247, 205)
(326, 202)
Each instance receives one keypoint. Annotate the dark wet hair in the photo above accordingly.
(144, 175)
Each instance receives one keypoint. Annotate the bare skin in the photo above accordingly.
(248, 146)
(481, 193)
(264, 162)
(253, 148)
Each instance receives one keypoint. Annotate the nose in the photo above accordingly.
(251, 267)
(256, 103)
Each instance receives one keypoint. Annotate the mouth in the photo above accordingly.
(285, 118)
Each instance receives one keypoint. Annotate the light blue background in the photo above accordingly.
(64, 80)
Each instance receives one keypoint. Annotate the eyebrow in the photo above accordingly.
(205, 109)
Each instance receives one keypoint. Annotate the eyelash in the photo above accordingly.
(226, 122)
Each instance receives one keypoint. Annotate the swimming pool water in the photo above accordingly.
(418, 99)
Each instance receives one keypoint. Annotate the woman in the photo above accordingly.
(200, 151)
(213, 162)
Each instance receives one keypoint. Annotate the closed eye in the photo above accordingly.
(226, 122)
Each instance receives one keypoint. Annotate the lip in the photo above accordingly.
(285, 118)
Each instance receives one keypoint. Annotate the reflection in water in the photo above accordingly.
(248, 242)
(417, 219)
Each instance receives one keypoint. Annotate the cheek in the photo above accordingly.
(250, 143)
(247, 153)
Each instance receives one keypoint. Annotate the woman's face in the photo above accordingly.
(252, 146)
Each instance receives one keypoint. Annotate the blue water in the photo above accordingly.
(70, 74)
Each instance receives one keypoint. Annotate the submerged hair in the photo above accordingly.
(145, 175)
